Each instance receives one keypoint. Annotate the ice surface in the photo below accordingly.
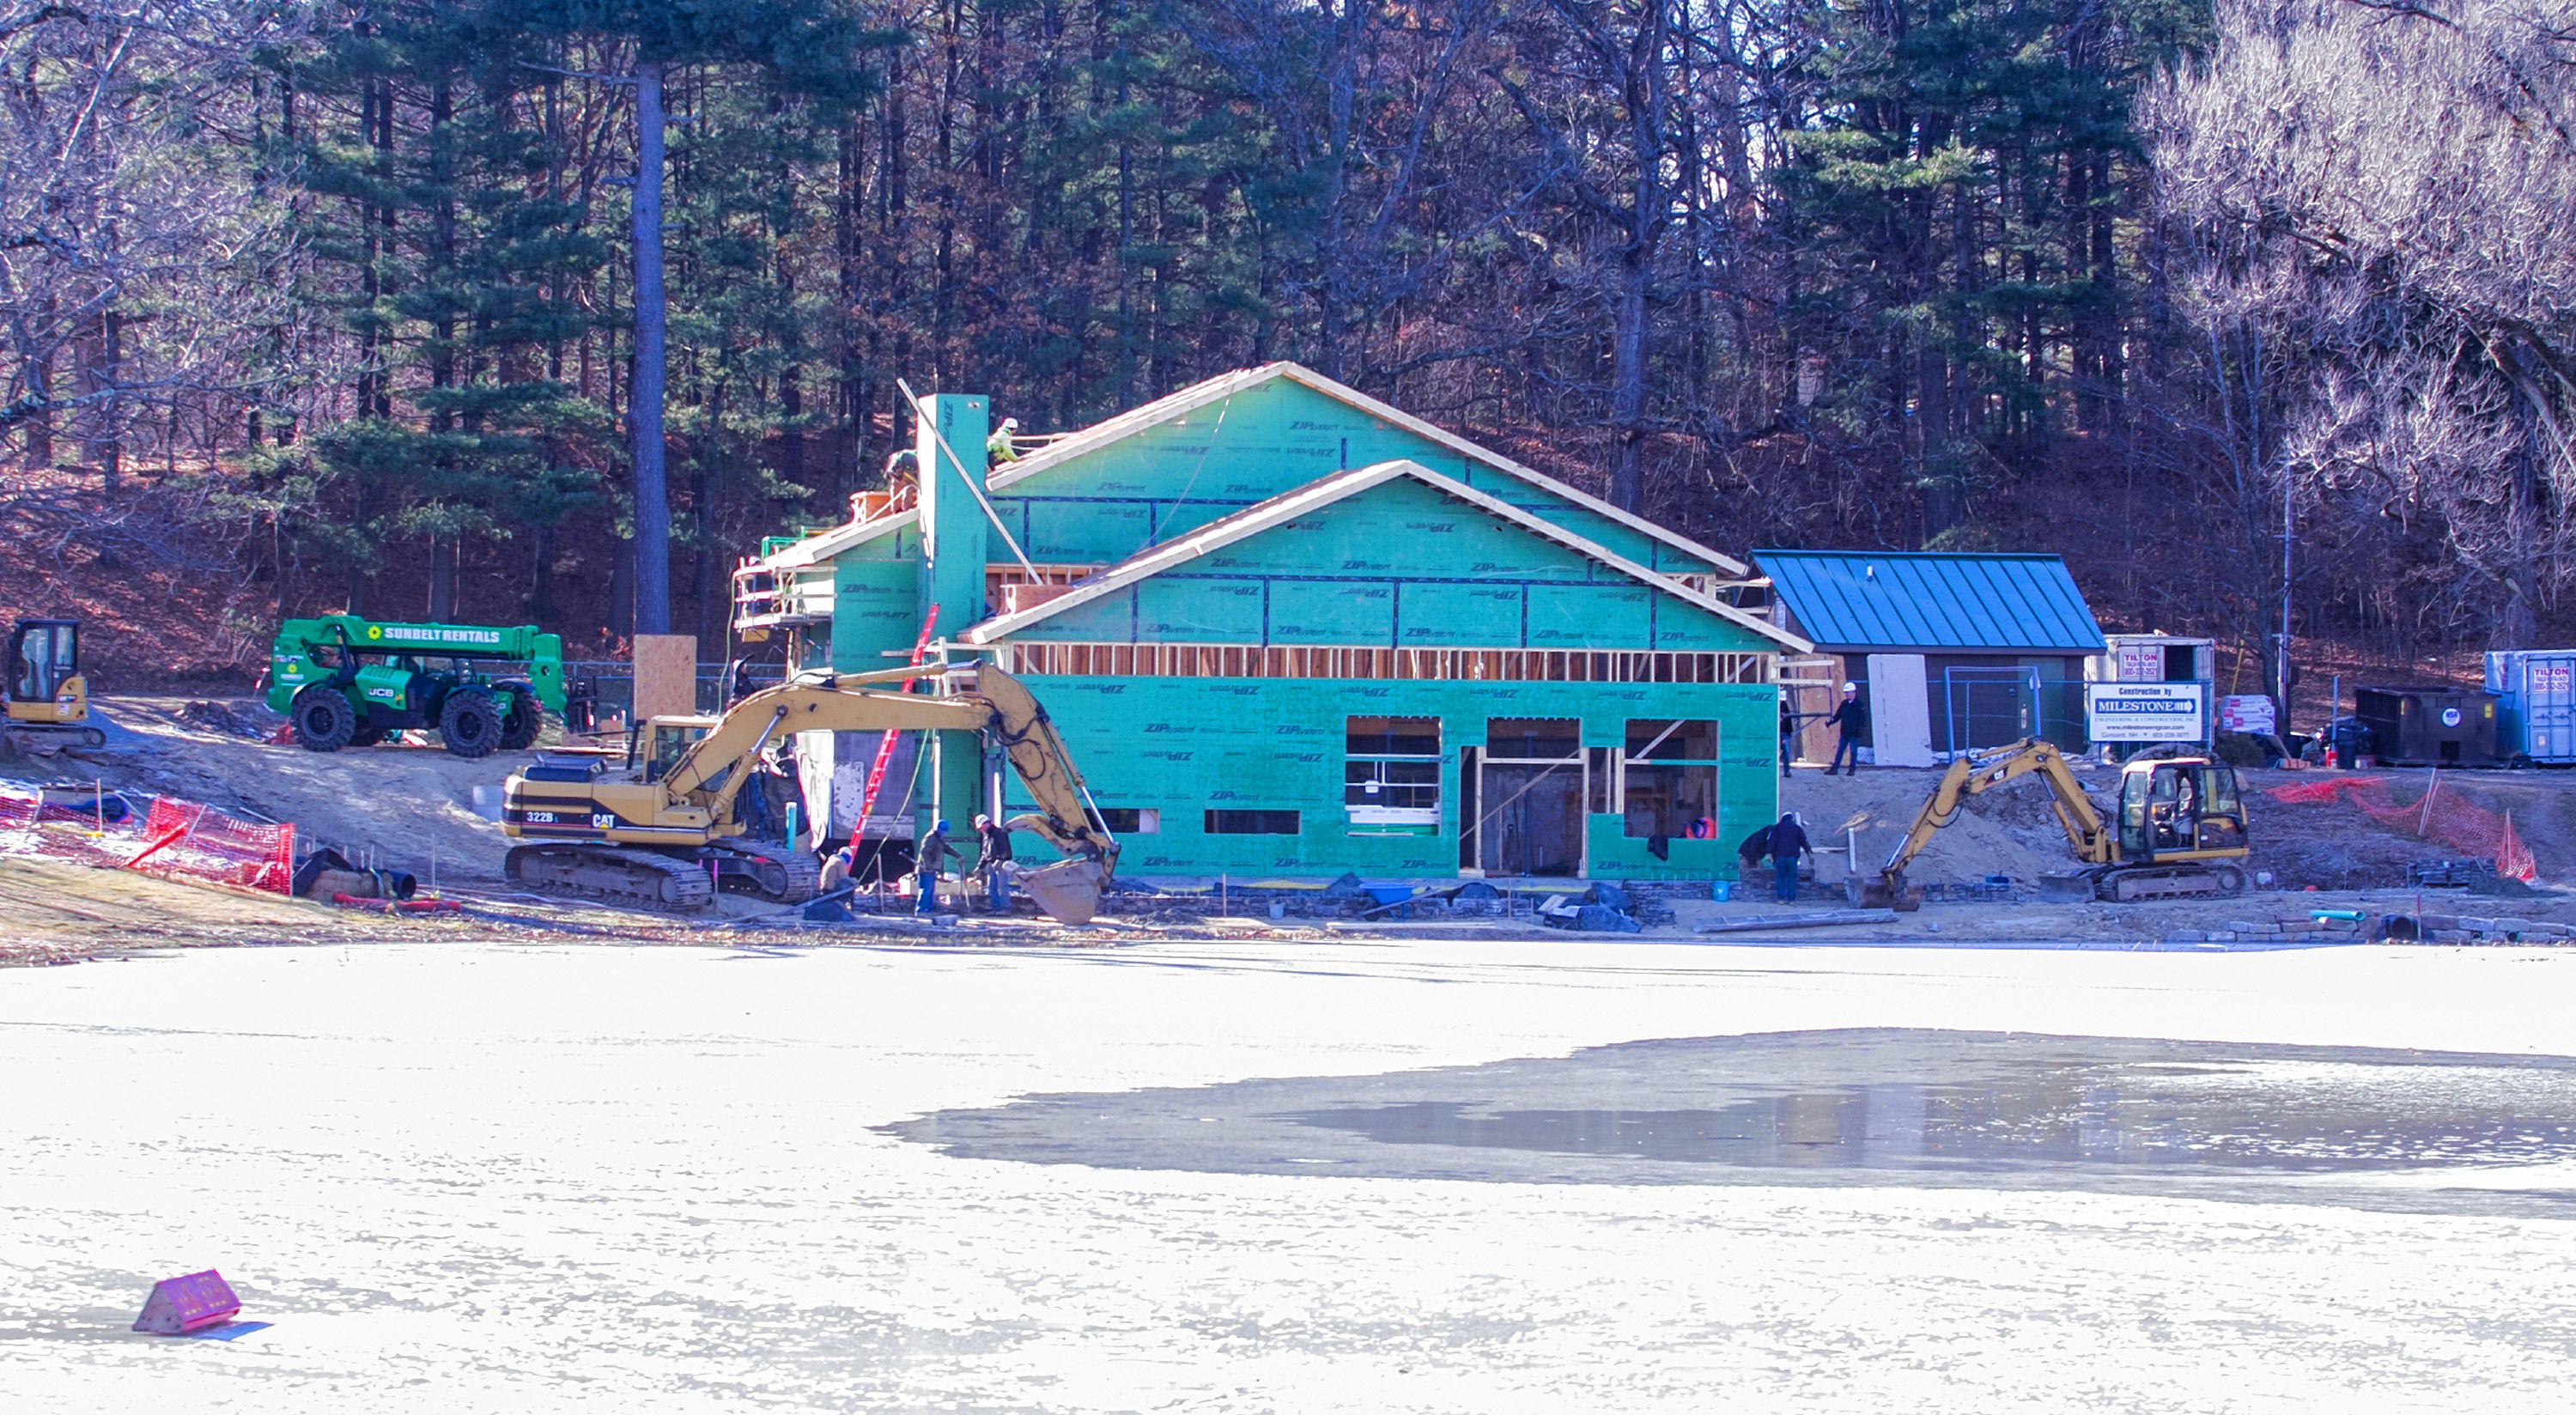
(533, 1178)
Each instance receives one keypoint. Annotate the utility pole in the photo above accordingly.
(651, 548)
(644, 405)
(2289, 506)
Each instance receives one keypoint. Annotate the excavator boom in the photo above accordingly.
(1973, 773)
(2112, 870)
(622, 839)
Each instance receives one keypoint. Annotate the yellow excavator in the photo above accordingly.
(45, 697)
(2181, 826)
(666, 836)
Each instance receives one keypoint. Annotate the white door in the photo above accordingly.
(1900, 710)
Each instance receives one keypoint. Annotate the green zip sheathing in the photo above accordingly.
(1162, 482)
(1398, 565)
(1185, 747)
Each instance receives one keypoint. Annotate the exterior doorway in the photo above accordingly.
(1522, 798)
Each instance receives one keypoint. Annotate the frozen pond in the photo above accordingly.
(1538, 1177)
(2251, 1123)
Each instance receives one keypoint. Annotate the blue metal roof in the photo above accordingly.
(1850, 600)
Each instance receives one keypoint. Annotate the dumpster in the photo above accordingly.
(2429, 726)
(2535, 705)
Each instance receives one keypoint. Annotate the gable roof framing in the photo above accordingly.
(1224, 386)
(1316, 495)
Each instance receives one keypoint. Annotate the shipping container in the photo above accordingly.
(2429, 726)
(2535, 704)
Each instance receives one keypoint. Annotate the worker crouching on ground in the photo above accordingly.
(1788, 846)
(1851, 722)
(929, 856)
(1749, 854)
(994, 838)
(831, 905)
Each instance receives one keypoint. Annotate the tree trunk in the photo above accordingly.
(652, 610)
(1628, 381)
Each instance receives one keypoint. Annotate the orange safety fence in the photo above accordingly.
(186, 838)
(30, 825)
(182, 839)
(2442, 816)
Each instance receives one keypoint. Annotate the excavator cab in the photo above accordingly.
(2180, 809)
(655, 747)
(46, 692)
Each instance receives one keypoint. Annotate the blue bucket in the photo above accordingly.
(1721, 890)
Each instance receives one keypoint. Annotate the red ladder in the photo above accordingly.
(885, 744)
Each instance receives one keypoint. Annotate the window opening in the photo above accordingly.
(1668, 779)
(1128, 820)
(1391, 775)
(1251, 823)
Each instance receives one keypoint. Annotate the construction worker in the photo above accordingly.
(1788, 733)
(1788, 845)
(994, 838)
(834, 880)
(999, 448)
(928, 856)
(902, 479)
(1851, 722)
(1749, 854)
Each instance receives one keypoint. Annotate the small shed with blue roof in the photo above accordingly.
(1952, 652)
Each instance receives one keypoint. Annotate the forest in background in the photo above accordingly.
(312, 304)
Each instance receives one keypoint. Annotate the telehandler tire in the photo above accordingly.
(470, 723)
(522, 718)
(324, 721)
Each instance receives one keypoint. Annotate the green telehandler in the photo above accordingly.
(345, 681)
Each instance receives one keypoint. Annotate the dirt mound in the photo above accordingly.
(404, 807)
(2013, 830)
(2010, 831)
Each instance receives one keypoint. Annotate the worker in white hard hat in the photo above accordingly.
(999, 448)
(1851, 722)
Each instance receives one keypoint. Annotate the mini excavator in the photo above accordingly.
(666, 836)
(2181, 827)
(44, 697)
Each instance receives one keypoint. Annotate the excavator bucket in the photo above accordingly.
(1886, 891)
(1068, 890)
(2068, 887)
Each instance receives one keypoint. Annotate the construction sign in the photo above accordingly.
(2144, 712)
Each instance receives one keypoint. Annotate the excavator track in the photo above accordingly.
(632, 877)
(774, 879)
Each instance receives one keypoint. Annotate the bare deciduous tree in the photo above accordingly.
(2370, 205)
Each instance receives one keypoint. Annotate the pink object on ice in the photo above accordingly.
(191, 1303)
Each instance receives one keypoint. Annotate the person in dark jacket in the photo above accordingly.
(1851, 721)
(1788, 733)
(928, 857)
(1749, 854)
(1788, 844)
(995, 840)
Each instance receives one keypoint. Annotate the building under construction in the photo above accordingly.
(1290, 630)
